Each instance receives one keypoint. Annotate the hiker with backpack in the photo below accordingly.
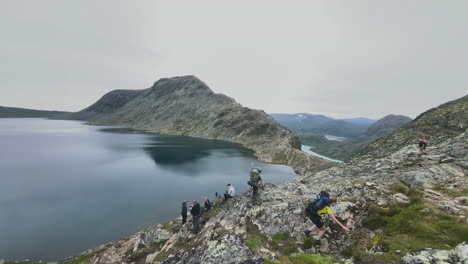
(319, 206)
(422, 145)
(255, 180)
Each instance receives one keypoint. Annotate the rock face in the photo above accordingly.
(187, 106)
(457, 255)
(437, 124)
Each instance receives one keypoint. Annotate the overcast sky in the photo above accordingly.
(338, 58)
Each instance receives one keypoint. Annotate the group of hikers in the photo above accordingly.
(318, 207)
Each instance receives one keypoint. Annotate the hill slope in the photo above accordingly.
(437, 124)
(187, 106)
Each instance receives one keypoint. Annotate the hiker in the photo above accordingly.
(320, 206)
(255, 179)
(230, 192)
(207, 204)
(184, 211)
(195, 212)
(422, 145)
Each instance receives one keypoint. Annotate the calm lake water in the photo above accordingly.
(66, 187)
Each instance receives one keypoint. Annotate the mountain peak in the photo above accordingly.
(188, 85)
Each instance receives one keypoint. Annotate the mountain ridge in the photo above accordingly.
(186, 106)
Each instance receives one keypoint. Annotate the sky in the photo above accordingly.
(338, 58)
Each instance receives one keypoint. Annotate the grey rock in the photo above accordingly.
(429, 256)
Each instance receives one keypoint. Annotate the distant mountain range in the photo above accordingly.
(320, 124)
(15, 112)
(346, 149)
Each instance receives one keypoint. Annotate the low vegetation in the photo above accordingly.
(402, 228)
(297, 258)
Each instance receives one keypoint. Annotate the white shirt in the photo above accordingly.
(231, 191)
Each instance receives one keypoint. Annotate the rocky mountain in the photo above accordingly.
(15, 112)
(187, 106)
(320, 124)
(403, 207)
(109, 103)
(437, 124)
(346, 149)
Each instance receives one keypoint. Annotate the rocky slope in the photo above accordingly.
(437, 124)
(15, 112)
(187, 106)
(395, 205)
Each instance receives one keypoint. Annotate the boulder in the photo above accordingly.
(429, 256)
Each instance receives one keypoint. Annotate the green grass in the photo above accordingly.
(284, 243)
(298, 258)
(139, 255)
(452, 192)
(183, 244)
(362, 257)
(411, 227)
(254, 238)
(84, 259)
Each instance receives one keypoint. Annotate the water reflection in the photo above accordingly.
(174, 151)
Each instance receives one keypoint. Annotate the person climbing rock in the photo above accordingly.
(230, 192)
(255, 180)
(422, 145)
(184, 211)
(195, 212)
(207, 204)
(319, 206)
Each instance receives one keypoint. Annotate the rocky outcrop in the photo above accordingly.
(229, 249)
(437, 124)
(187, 106)
(429, 256)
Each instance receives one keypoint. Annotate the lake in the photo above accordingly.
(66, 187)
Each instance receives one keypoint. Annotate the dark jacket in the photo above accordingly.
(195, 211)
(184, 208)
(207, 205)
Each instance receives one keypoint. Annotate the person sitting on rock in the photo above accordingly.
(207, 204)
(316, 218)
(422, 145)
(255, 180)
(230, 192)
(195, 212)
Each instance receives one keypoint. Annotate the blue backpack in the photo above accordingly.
(319, 201)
